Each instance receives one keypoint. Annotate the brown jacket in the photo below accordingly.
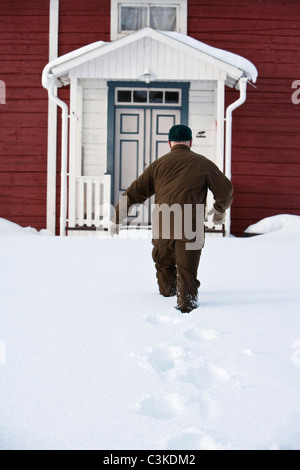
(180, 177)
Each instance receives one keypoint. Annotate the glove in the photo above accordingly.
(113, 229)
(218, 217)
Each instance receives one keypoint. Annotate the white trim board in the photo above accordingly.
(52, 122)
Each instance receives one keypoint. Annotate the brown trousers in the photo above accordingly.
(176, 271)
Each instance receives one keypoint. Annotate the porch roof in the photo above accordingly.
(201, 60)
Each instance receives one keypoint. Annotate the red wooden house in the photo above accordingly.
(109, 91)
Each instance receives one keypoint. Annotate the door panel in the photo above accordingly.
(162, 120)
(129, 152)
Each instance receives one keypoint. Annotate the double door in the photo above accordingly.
(141, 136)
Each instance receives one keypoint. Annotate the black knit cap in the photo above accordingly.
(180, 133)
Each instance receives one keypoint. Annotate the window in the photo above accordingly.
(156, 97)
(124, 96)
(166, 15)
(163, 18)
(134, 18)
(141, 96)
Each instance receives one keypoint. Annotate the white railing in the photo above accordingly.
(92, 202)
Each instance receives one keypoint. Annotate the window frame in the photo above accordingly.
(115, 18)
(148, 104)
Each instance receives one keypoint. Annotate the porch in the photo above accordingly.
(124, 96)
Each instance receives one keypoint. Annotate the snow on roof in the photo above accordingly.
(225, 56)
(69, 56)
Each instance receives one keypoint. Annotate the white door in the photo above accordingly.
(141, 137)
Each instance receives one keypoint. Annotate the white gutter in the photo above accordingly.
(52, 122)
(64, 154)
(229, 110)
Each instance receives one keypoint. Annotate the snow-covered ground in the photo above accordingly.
(92, 357)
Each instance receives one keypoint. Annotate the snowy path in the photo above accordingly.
(96, 359)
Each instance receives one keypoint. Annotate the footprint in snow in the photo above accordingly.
(163, 406)
(203, 334)
(155, 319)
(247, 352)
(163, 358)
(193, 439)
(205, 375)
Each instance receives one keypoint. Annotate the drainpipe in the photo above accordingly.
(64, 155)
(229, 110)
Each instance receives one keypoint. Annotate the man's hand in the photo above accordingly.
(218, 217)
(113, 228)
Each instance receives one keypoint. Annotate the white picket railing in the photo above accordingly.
(92, 206)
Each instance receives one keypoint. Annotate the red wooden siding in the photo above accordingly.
(266, 139)
(82, 23)
(24, 46)
(24, 33)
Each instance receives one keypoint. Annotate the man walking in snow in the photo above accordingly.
(180, 181)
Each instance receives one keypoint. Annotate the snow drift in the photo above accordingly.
(92, 357)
